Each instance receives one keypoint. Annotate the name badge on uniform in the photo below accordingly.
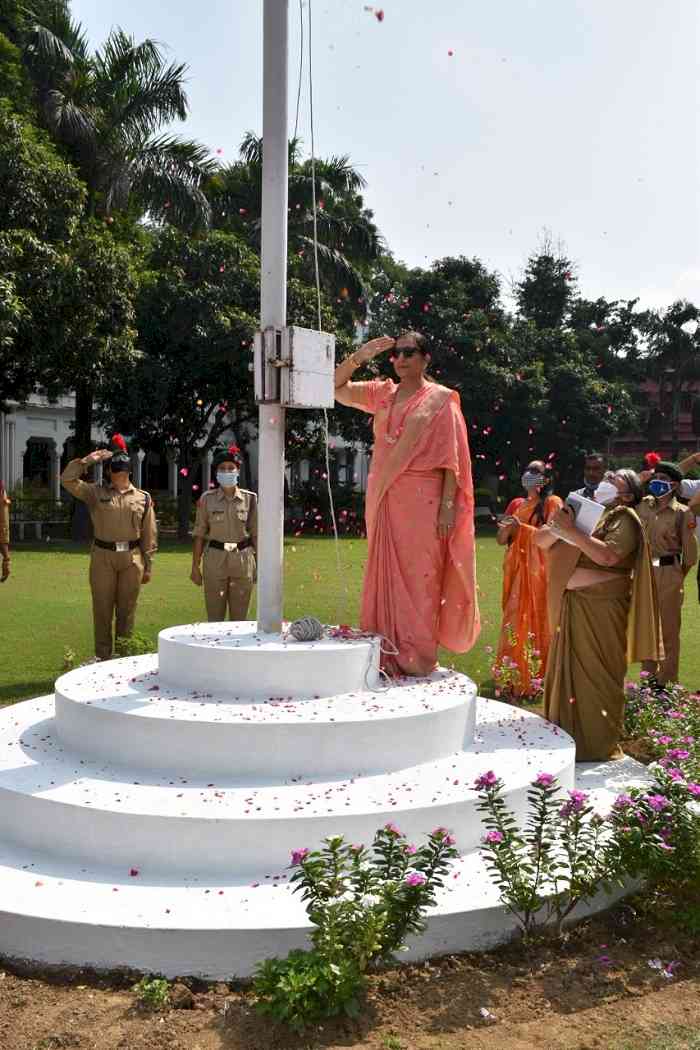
(122, 545)
(230, 547)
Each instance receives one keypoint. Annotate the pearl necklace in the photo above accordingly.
(411, 402)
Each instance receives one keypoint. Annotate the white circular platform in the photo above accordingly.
(234, 659)
(146, 821)
(122, 712)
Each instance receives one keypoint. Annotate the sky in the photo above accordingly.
(478, 126)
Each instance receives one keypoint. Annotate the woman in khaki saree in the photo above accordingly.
(604, 615)
(419, 587)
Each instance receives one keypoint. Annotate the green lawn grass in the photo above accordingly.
(45, 606)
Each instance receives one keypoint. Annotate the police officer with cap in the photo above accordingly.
(226, 532)
(671, 530)
(124, 525)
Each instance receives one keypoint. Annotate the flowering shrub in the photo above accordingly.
(508, 678)
(668, 722)
(655, 830)
(363, 903)
(557, 860)
(566, 853)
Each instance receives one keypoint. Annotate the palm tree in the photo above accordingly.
(106, 109)
(348, 240)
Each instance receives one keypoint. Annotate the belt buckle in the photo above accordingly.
(230, 547)
(656, 562)
(123, 546)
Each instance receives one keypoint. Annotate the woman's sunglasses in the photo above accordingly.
(407, 351)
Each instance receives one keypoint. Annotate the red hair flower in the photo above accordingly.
(119, 442)
(651, 459)
(234, 450)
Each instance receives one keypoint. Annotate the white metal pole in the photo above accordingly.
(273, 309)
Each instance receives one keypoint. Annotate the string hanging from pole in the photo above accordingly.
(326, 430)
(301, 66)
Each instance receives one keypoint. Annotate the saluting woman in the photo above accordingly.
(419, 586)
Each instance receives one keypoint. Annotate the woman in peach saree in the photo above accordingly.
(420, 586)
(525, 633)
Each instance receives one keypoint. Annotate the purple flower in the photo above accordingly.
(665, 740)
(439, 833)
(544, 780)
(645, 674)
(298, 855)
(577, 800)
(675, 774)
(674, 714)
(494, 837)
(410, 849)
(623, 802)
(392, 829)
(486, 780)
(657, 802)
(678, 754)
(415, 878)
(694, 789)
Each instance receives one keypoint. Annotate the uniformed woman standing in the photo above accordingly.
(124, 525)
(227, 524)
(4, 533)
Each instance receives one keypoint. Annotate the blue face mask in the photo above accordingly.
(227, 479)
(659, 488)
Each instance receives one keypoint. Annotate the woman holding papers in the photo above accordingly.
(604, 612)
(525, 630)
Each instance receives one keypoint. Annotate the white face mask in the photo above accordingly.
(606, 493)
(227, 479)
(532, 480)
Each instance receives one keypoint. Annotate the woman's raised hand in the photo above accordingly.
(375, 346)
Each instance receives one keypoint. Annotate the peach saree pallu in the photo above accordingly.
(419, 590)
(525, 624)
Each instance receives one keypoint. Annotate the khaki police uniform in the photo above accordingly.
(125, 523)
(229, 574)
(4, 536)
(671, 532)
(4, 521)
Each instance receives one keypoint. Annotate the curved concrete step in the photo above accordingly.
(122, 711)
(55, 801)
(56, 912)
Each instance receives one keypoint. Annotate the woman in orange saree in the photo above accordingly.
(525, 634)
(419, 586)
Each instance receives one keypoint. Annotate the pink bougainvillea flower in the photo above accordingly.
(392, 828)
(298, 855)
(494, 837)
(415, 878)
(544, 780)
(657, 802)
(486, 780)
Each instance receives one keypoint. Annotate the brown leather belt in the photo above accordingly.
(667, 559)
(241, 546)
(123, 545)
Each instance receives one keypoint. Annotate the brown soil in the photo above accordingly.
(596, 990)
